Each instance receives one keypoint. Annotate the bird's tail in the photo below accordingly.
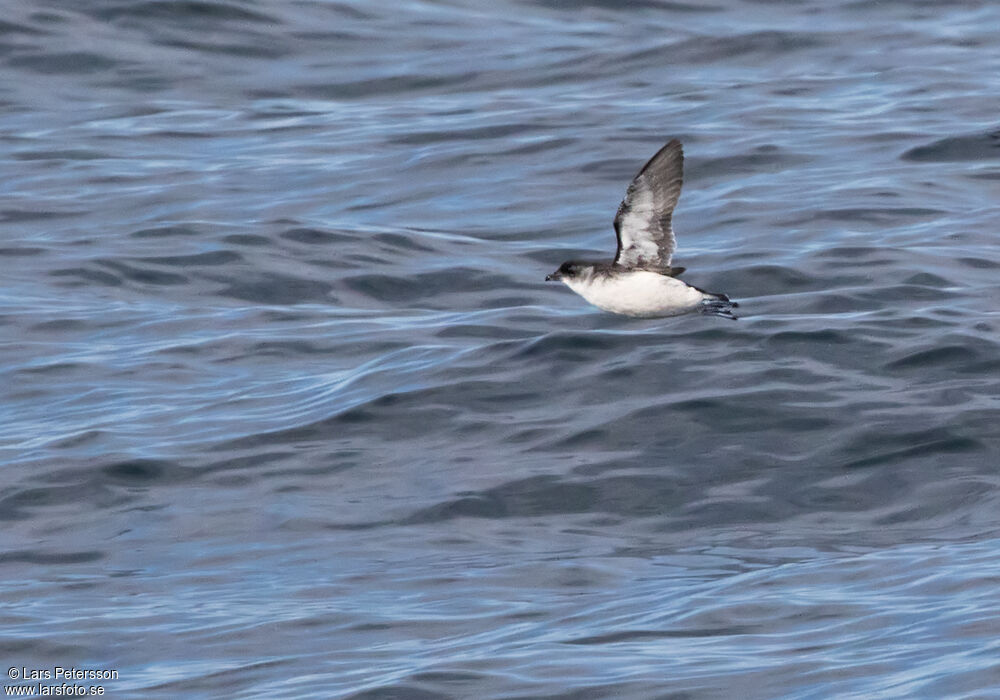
(718, 305)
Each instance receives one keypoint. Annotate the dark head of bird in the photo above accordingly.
(567, 270)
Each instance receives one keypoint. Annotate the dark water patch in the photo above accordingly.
(833, 303)
(907, 293)
(545, 495)
(988, 175)
(24, 215)
(739, 512)
(876, 446)
(293, 315)
(248, 239)
(170, 135)
(100, 485)
(231, 678)
(211, 258)
(186, 12)
(453, 280)
(980, 263)
(921, 321)
(356, 260)
(924, 447)
(476, 134)
(260, 50)
(358, 421)
(835, 347)
(766, 280)
(400, 242)
(274, 288)
(291, 347)
(449, 677)
(467, 330)
(242, 464)
(143, 275)
(953, 357)
(569, 346)
(85, 276)
(839, 498)
(271, 112)
(709, 335)
(64, 63)
(140, 472)
(855, 253)
(809, 339)
(350, 12)
(921, 4)
(83, 438)
(166, 232)
(41, 647)
(763, 44)
(323, 35)
(312, 236)
(382, 86)
(612, 170)
(399, 691)
(21, 251)
(68, 154)
(950, 499)
(46, 558)
(540, 146)
(664, 5)
(549, 258)
(593, 438)
(638, 635)
(56, 367)
(979, 146)
(61, 324)
(20, 504)
(750, 412)
(880, 215)
(767, 159)
(13, 28)
(928, 279)
(341, 461)
(139, 79)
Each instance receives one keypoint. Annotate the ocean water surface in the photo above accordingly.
(288, 410)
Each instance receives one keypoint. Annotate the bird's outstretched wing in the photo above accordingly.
(645, 236)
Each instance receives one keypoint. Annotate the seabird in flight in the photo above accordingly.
(640, 281)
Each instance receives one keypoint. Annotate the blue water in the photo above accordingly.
(288, 410)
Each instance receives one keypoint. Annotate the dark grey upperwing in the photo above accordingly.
(643, 222)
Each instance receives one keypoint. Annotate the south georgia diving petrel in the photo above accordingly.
(640, 281)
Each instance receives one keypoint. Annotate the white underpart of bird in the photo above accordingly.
(637, 293)
(640, 281)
